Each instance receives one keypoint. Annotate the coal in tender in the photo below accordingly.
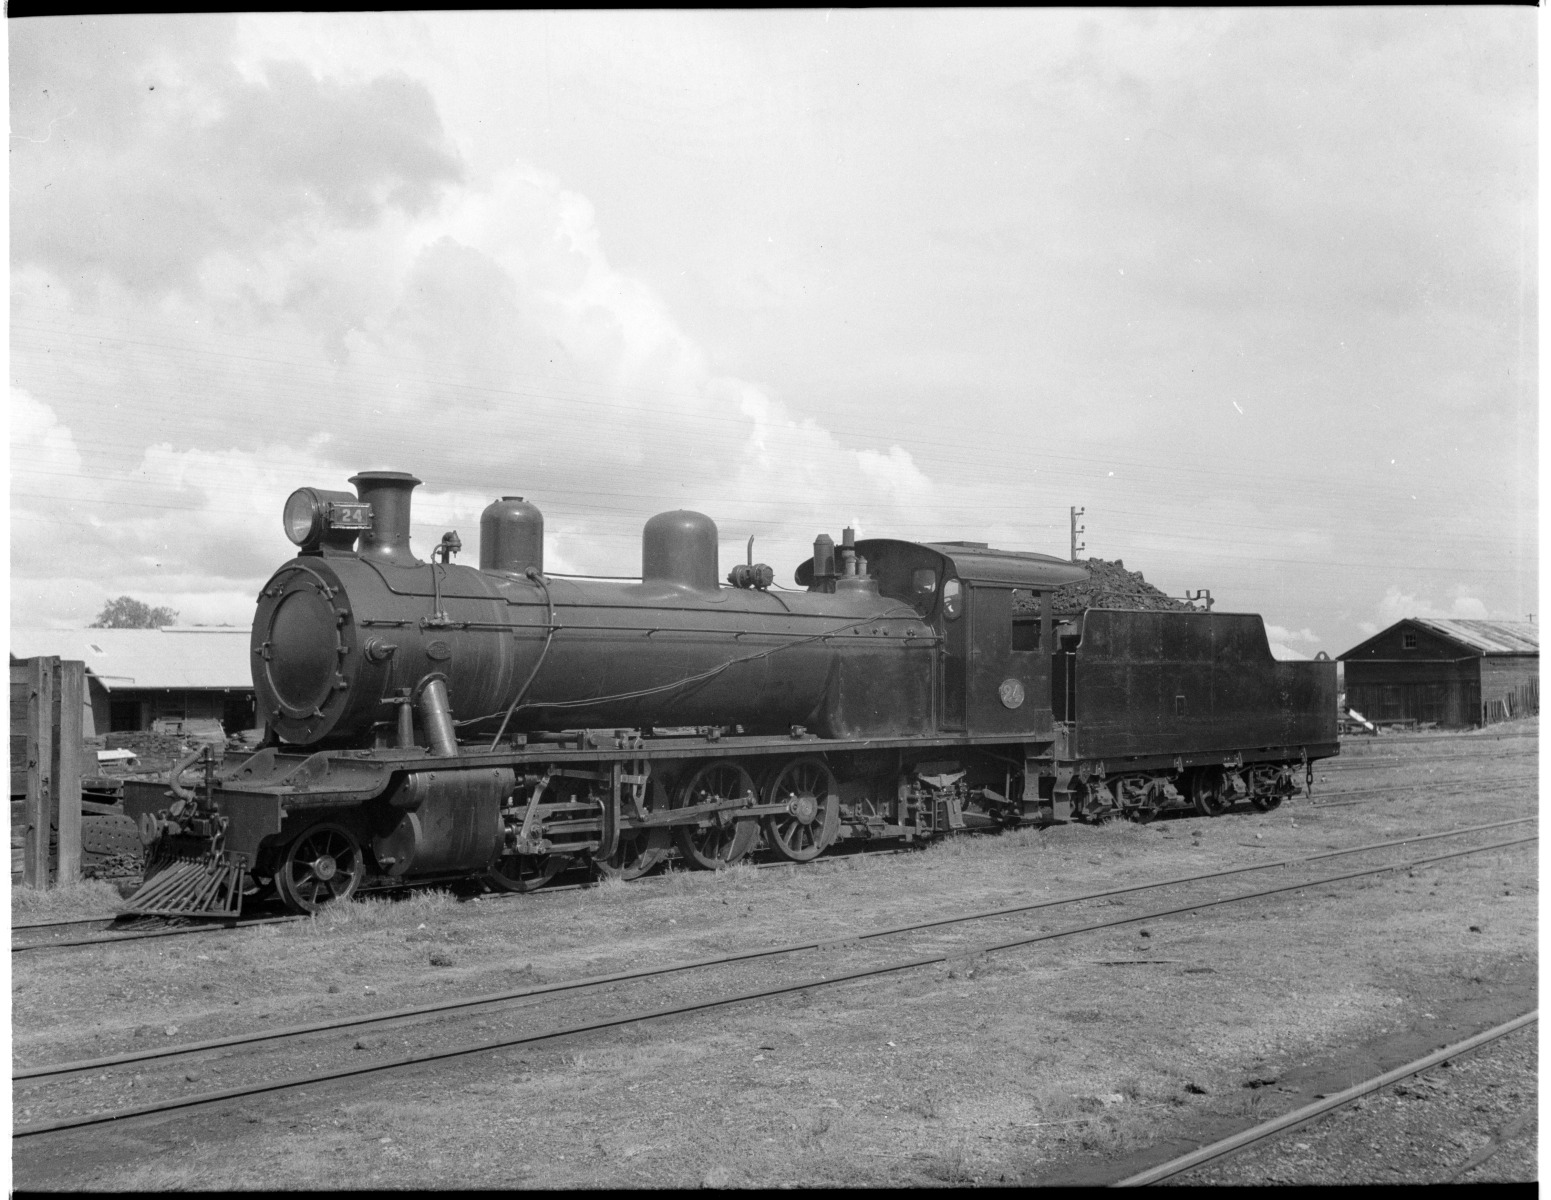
(1110, 585)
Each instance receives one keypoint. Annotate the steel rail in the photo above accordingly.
(210, 927)
(1309, 1111)
(1501, 1138)
(1430, 783)
(65, 921)
(1392, 739)
(1359, 762)
(114, 1060)
(223, 926)
(101, 1118)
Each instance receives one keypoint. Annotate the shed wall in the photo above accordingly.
(1510, 686)
(1446, 692)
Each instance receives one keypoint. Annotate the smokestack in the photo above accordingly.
(387, 541)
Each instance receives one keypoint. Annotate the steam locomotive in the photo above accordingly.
(432, 720)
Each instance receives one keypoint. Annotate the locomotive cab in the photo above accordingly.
(990, 610)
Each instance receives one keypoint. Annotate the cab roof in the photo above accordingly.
(974, 562)
(979, 563)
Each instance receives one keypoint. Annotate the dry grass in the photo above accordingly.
(90, 898)
(977, 1072)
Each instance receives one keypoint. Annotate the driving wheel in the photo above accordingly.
(639, 850)
(725, 838)
(806, 786)
(514, 872)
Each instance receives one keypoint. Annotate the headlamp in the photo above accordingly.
(313, 518)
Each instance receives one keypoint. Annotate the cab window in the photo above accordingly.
(1025, 620)
(923, 589)
(952, 599)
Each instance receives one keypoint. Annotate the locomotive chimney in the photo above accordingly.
(387, 541)
(847, 552)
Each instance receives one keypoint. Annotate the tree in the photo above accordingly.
(128, 613)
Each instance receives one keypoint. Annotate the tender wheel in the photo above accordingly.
(1265, 803)
(524, 872)
(324, 864)
(726, 839)
(807, 787)
(1206, 792)
(638, 852)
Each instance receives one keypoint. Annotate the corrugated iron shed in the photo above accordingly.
(179, 657)
(1488, 637)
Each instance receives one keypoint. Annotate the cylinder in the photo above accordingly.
(436, 716)
(680, 548)
(387, 541)
(511, 536)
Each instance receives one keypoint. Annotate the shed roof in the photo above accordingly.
(1488, 637)
(179, 657)
(1474, 637)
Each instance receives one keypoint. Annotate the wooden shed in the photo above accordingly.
(1449, 672)
(136, 677)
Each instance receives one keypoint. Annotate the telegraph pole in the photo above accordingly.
(1076, 529)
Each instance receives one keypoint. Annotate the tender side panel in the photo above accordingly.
(1169, 683)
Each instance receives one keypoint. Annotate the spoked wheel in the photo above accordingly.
(726, 839)
(639, 850)
(1207, 792)
(525, 872)
(807, 787)
(324, 864)
(1140, 798)
(1265, 803)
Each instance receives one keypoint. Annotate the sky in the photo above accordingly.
(1255, 289)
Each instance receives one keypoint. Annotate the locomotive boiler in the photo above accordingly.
(430, 720)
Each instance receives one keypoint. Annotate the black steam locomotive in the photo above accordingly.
(429, 720)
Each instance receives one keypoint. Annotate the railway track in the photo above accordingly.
(848, 945)
(1340, 798)
(1365, 762)
(1329, 1104)
(138, 928)
(142, 928)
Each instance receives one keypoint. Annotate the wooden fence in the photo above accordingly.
(1523, 701)
(46, 749)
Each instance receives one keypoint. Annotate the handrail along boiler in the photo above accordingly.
(433, 720)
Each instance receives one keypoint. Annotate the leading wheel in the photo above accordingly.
(725, 839)
(323, 865)
(1207, 792)
(806, 786)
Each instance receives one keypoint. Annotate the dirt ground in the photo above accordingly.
(1068, 1061)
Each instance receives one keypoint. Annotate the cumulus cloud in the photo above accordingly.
(1282, 639)
(1397, 605)
(196, 158)
(327, 293)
